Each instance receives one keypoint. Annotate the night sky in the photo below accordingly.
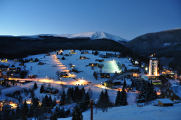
(126, 18)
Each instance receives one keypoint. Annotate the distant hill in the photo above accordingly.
(166, 45)
(21, 46)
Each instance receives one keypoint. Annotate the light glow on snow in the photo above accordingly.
(13, 105)
(62, 67)
(79, 82)
(41, 80)
(101, 86)
(111, 67)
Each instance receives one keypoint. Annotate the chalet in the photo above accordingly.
(64, 75)
(83, 57)
(84, 52)
(105, 75)
(32, 76)
(99, 60)
(41, 63)
(72, 52)
(165, 102)
(93, 64)
(135, 74)
(72, 66)
(156, 82)
(140, 104)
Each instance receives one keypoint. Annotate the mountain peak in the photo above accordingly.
(94, 35)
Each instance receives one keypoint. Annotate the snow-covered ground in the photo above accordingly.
(175, 86)
(132, 112)
(51, 66)
(49, 69)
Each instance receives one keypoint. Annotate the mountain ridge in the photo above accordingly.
(90, 35)
(94, 35)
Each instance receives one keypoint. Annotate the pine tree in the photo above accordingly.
(96, 52)
(89, 92)
(49, 102)
(77, 114)
(53, 117)
(77, 94)
(118, 99)
(123, 98)
(84, 105)
(42, 89)
(35, 86)
(95, 75)
(124, 85)
(107, 100)
(63, 98)
(62, 113)
(18, 112)
(147, 93)
(104, 101)
(63, 58)
(54, 102)
(69, 98)
(34, 109)
(100, 101)
(25, 111)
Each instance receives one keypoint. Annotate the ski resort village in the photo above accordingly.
(89, 85)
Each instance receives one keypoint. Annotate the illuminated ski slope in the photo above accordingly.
(111, 67)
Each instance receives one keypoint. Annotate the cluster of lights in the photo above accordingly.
(59, 64)
(79, 82)
(101, 86)
(4, 60)
(136, 62)
(13, 105)
(120, 89)
(62, 67)
(41, 80)
(158, 93)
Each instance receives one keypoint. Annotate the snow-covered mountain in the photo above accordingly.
(94, 35)
(91, 35)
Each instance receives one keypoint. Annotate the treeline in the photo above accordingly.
(104, 102)
(147, 93)
(80, 100)
(24, 111)
(76, 95)
(17, 47)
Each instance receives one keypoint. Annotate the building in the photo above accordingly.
(165, 102)
(153, 66)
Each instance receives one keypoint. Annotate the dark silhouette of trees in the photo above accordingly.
(77, 114)
(35, 86)
(42, 89)
(104, 102)
(63, 98)
(95, 75)
(147, 93)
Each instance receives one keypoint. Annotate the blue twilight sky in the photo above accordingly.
(126, 18)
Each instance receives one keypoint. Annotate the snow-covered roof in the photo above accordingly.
(165, 100)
